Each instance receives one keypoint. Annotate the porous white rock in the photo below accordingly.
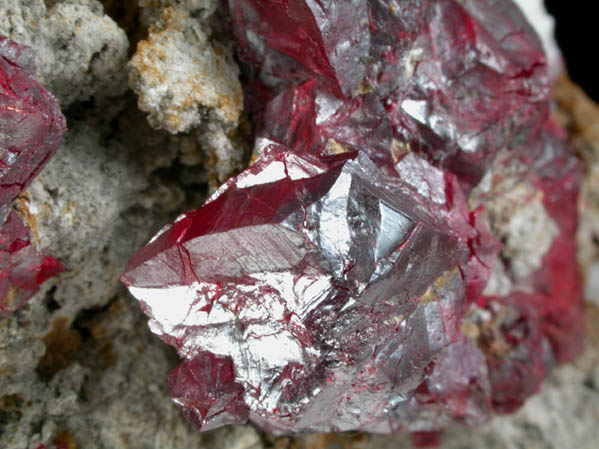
(80, 52)
(182, 77)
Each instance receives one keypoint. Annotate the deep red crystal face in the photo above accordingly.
(205, 388)
(31, 127)
(295, 40)
(459, 80)
(350, 279)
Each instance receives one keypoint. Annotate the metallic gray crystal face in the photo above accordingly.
(325, 287)
(330, 298)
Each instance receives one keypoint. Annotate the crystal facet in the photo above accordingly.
(22, 269)
(351, 278)
(31, 127)
(459, 79)
(205, 388)
(475, 77)
(315, 294)
(295, 40)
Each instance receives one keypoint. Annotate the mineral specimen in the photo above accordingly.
(459, 79)
(342, 282)
(316, 295)
(22, 269)
(31, 126)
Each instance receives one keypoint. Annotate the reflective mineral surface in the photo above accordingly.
(31, 127)
(401, 254)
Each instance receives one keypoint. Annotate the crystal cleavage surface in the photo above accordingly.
(310, 275)
(349, 279)
(31, 128)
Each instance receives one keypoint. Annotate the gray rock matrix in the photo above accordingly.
(154, 109)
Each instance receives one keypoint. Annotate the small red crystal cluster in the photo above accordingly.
(31, 127)
(342, 281)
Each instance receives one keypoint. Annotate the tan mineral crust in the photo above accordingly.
(180, 76)
(151, 93)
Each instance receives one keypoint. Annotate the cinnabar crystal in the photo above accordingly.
(31, 127)
(350, 279)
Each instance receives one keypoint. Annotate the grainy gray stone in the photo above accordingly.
(187, 82)
(591, 291)
(151, 10)
(80, 52)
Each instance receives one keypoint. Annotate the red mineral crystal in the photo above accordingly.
(350, 279)
(459, 79)
(294, 40)
(315, 296)
(22, 269)
(205, 389)
(312, 120)
(474, 79)
(31, 127)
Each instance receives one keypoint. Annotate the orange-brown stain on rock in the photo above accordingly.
(145, 61)
(104, 352)
(21, 207)
(64, 440)
(62, 344)
(580, 115)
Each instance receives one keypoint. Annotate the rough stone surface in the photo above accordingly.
(65, 378)
(80, 52)
(102, 383)
(580, 116)
(186, 81)
(181, 76)
(151, 10)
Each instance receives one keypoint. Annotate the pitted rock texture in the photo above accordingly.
(151, 10)
(181, 76)
(80, 53)
(187, 82)
(56, 360)
(580, 116)
(114, 181)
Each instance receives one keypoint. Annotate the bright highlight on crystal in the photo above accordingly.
(349, 279)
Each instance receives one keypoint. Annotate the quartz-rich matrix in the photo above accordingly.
(187, 81)
(80, 52)
(31, 127)
(401, 254)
